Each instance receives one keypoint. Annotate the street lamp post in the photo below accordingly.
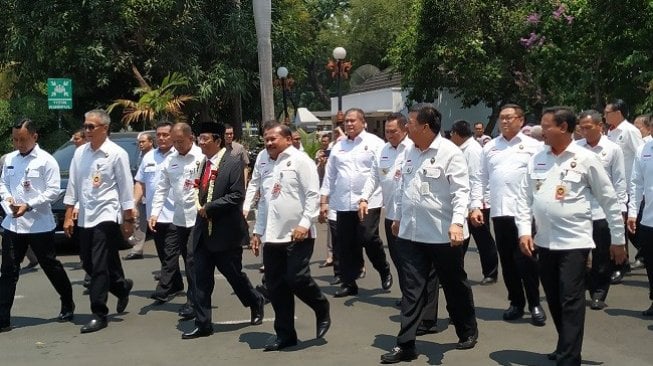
(339, 70)
(282, 73)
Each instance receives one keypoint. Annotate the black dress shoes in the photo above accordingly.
(67, 313)
(538, 317)
(326, 263)
(648, 312)
(399, 354)
(5, 326)
(488, 281)
(467, 343)
(336, 281)
(426, 327)
(346, 290)
(257, 311)
(323, 321)
(132, 256)
(123, 301)
(617, 277)
(264, 292)
(513, 313)
(94, 325)
(597, 304)
(386, 281)
(186, 312)
(276, 343)
(197, 333)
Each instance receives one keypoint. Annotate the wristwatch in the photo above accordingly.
(362, 200)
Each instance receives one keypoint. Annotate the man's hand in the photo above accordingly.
(255, 244)
(202, 212)
(18, 210)
(75, 213)
(618, 252)
(526, 245)
(476, 217)
(631, 224)
(151, 223)
(456, 235)
(299, 233)
(127, 229)
(324, 213)
(68, 226)
(395, 227)
(362, 210)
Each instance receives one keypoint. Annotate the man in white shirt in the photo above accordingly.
(179, 173)
(643, 124)
(612, 158)
(145, 142)
(503, 166)
(461, 135)
(479, 134)
(102, 185)
(628, 137)
(430, 223)
(145, 182)
(28, 185)
(350, 163)
(642, 184)
(556, 192)
(286, 225)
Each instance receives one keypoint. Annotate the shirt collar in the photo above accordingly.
(518, 138)
(435, 144)
(464, 145)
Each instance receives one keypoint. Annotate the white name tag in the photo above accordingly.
(33, 174)
(150, 169)
(431, 172)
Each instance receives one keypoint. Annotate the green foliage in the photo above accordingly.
(310, 142)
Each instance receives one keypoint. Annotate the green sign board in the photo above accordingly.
(60, 93)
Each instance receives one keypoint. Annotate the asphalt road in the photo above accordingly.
(363, 327)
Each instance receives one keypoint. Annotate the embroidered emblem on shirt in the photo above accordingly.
(288, 164)
(573, 164)
(521, 147)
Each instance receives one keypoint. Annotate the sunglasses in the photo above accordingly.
(89, 126)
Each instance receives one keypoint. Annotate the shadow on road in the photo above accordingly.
(526, 358)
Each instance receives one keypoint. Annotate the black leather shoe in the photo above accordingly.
(363, 273)
(386, 281)
(488, 281)
(322, 321)
(552, 356)
(326, 263)
(597, 304)
(5, 326)
(276, 344)
(86, 283)
(637, 264)
(648, 312)
(336, 281)
(264, 292)
(94, 325)
(513, 313)
(67, 313)
(616, 278)
(257, 311)
(186, 312)
(426, 327)
(345, 291)
(162, 298)
(399, 354)
(123, 301)
(467, 343)
(197, 333)
(538, 317)
(132, 256)
(398, 303)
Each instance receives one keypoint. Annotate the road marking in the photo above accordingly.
(17, 297)
(231, 322)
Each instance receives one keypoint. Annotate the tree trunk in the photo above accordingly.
(263, 22)
(237, 116)
(320, 92)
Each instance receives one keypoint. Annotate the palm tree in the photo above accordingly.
(155, 103)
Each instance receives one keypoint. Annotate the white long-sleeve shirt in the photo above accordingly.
(260, 176)
(641, 184)
(612, 159)
(473, 153)
(386, 173)
(350, 164)
(179, 174)
(556, 191)
(629, 139)
(503, 166)
(101, 182)
(434, 192)
(290, 197)
(149, 174)
(32, 179)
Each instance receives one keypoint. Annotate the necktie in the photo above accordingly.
(204, 184)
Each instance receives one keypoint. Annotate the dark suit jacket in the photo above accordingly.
(225, 209)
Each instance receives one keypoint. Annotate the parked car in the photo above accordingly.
(64, 155)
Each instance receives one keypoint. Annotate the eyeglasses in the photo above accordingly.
(605, 113)
(89, 126)
(507, 118)
(204, 138)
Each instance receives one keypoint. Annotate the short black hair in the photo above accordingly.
(431, 116)
(462, 128)
(228, 126)
(284, 129)
(359, 111)
(25, 123)
(400, 118)
(562, 114)
(163, 123)
(593, 114)
(619, 105)
(415, 108)
(514, 106)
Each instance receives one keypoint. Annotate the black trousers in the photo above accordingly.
(99, 252)
(230, 264)
(333, 228)
(645, 233)
(487, 248)
(519, 271)
(563, 279)
(353, 236)
(395, 252)
(418, 260)
(168, 249)
(287, 273)
(598, 282)
(14, 247)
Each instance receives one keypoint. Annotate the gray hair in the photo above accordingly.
(104, 117)
(596, 117)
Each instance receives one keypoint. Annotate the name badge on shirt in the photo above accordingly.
(10, 170)
(33, 174)
(572, 176)
(27, 185)
(96, 178)
(561, 191)
(424, 189)
(150, 168)
(432, 172)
